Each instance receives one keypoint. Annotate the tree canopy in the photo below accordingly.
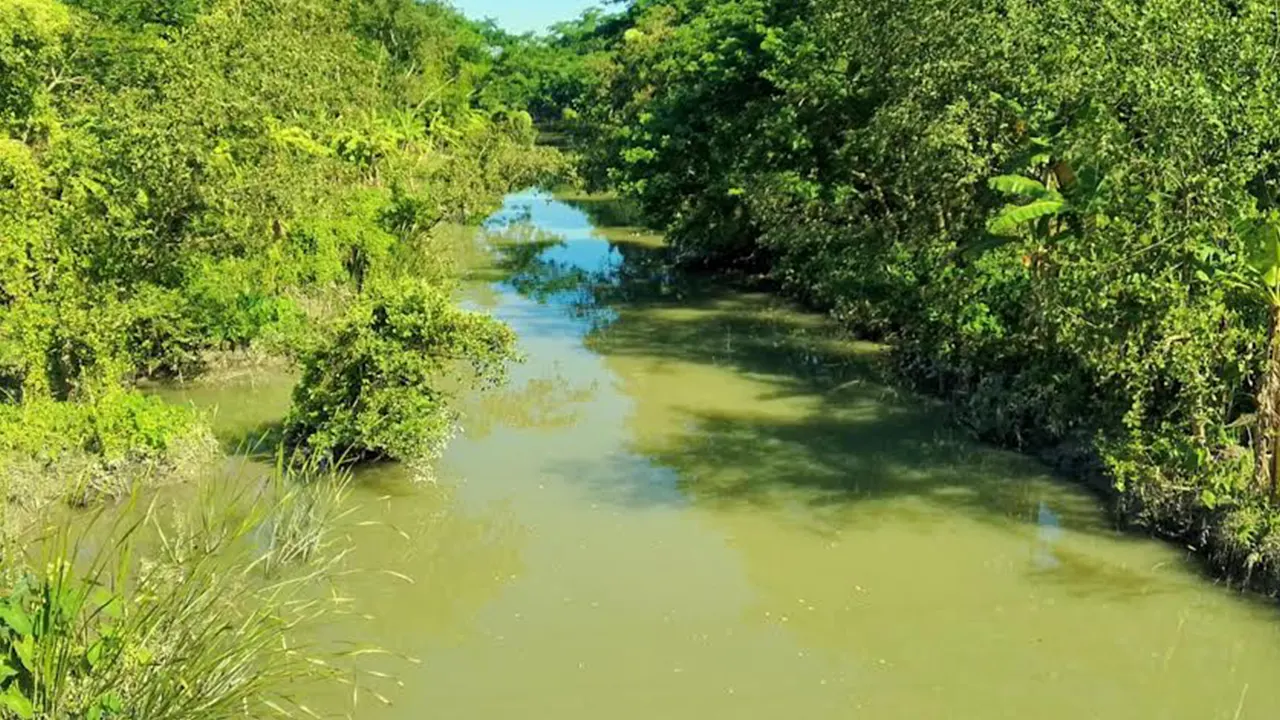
(183, 179)
(1059, 213)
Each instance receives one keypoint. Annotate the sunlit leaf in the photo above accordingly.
(1020, 186)
(17, 703)
(1014, 217)
(25, 649)
(16, 619)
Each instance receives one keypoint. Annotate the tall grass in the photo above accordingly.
(165, 613)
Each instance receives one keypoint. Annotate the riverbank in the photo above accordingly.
(185, 182)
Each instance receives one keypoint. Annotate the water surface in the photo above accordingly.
(694, 503)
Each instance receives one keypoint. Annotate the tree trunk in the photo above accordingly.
(1267, 467)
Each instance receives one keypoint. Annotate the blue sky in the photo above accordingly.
(524, 15)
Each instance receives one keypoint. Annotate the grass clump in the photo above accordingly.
(174, 615)
(81, 451)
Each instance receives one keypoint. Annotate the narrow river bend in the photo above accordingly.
(693, 504)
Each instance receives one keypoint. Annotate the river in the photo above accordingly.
(695, 503)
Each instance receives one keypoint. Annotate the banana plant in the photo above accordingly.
(1073, 199)
(1064, 203)
(1039, 206)
(1262, 236)
(1049, 192)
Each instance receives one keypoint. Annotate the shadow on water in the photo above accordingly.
(605, 211)
(821, 422)
(821, 429)
(260, 441)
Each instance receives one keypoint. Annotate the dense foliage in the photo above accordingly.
(547, 74)
(1061, 213)
(382, 386)
(179, 180)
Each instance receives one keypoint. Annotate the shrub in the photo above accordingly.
(381, 383)
(79, 451)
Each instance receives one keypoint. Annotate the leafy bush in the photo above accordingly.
(30, 38)
(380, 385)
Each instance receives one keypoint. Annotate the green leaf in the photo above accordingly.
(1264, 241)
(1015, 216)
(107, 706)
(25, 649)
(93, 187)
(16, 619)
(107, 603)
(1020, 186)
(17, 703)
(1208, 499)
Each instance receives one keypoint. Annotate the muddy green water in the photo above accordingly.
(699, 504)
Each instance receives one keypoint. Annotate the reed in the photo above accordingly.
(174, 611)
